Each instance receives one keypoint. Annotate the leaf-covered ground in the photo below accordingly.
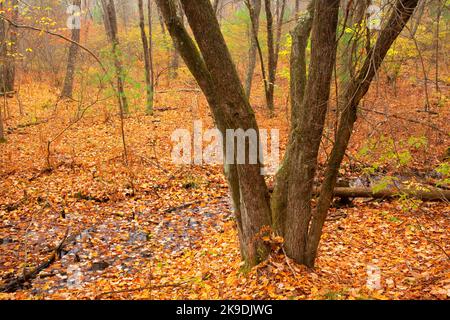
(153, 230)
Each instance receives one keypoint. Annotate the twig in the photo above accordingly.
(406, 119)
(288, 263)
(168, 285)
(18, 282)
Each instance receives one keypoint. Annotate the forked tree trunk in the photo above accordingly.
(301, 160)
(146, 49)
(292, 213)
(353, 95)
(217, 76)
(67, 90)
(110, 20)
(212, 67)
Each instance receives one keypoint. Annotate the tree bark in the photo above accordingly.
(67, 90)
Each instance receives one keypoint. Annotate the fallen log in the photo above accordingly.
(433, 194)
(425, 195)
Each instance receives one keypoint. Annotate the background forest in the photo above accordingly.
(93, 207)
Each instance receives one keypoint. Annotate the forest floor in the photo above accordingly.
(154, 230)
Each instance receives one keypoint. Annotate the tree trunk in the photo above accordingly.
(254, 32)
(2, 130)
(67, 91)
(150, 48)
(216, 7)
(271, 64)
(281, 7)
(8, 52)
(110, 20)
(254, 28)
(12, 30)
(3, 70)
(297, 8)
(217, 76)
(419, 14)
(300, 37)
(146, 49)
(160, 19)
(355, 13)
(175, 58)
(3, 55)
(436, 44)
(125, 13)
